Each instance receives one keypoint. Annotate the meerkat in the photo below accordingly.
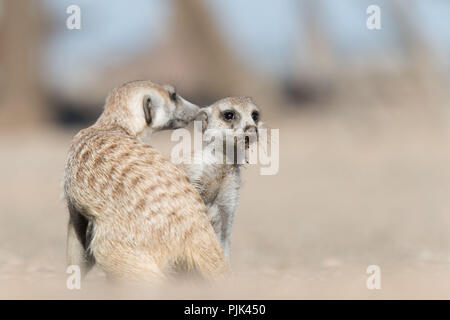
(219, 183)
(133, 212)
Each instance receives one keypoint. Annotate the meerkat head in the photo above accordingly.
(238, 117)
(139, 105)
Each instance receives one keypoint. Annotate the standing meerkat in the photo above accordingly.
(132, 211)
(218, 182)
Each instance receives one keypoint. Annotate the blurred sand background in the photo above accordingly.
(364, 145)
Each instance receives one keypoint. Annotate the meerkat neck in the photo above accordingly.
(210, 162)
(108, 123)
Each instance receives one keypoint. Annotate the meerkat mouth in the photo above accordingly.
(247, 142)
(250, 139)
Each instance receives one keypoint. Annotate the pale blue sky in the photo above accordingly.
(265, 33)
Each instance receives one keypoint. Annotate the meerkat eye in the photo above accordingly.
(255, 116)
(229, 115)
(173, 96)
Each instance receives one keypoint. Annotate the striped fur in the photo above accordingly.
(145, 219)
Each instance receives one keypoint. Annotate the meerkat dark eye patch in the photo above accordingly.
(148, 109)
(255, 116)
(229, 115)
(173, 96)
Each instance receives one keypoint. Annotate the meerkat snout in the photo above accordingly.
(251, 129)
(184, 111)
(140, 105)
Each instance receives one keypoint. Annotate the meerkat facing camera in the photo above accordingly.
(132, 211)
(218, 182)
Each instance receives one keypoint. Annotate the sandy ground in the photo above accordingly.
(353, 190)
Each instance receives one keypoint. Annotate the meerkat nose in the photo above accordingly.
(251, 129)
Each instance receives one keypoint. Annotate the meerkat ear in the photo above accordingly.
(203, 116)
(147, 105)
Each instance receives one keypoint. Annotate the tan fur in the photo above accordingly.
(145, 220)
(218, 184)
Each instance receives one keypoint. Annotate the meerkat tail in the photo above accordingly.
(76, 254)
(77, 242)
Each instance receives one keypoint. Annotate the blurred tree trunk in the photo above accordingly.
(20, 34)
(313, 69)
(421, 70)
(417, 50)
(196, 29)
(195, 57)
(320, 54)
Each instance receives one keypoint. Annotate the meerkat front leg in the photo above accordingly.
(226, 202)
(214, 215)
